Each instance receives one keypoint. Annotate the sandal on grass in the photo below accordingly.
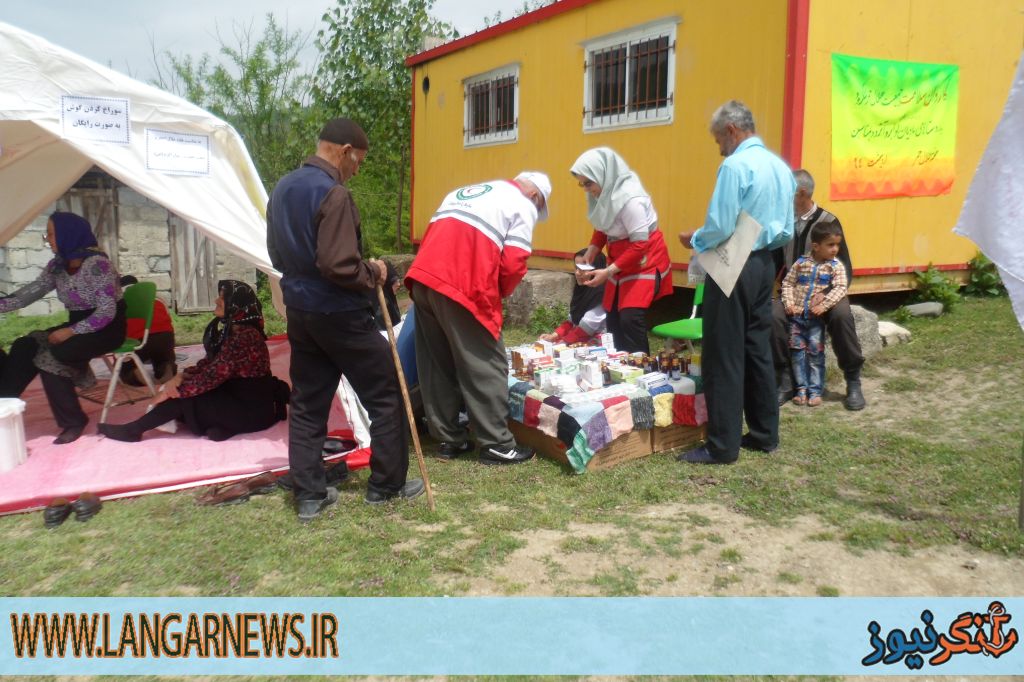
(814, 401)
(800, 398)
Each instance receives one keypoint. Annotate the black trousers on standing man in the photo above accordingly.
(324, 347)
(739, 377)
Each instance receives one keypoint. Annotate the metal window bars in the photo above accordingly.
(629, 81)
(492, 108)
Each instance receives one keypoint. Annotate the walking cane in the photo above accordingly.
(405, 396)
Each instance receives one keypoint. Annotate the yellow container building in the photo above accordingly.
(644, 76)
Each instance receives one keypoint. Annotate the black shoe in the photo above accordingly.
(453, 450)
(56, 512)
(310, 509)
(120, 432)
(747, 442)
(412, 489)
(513, 455)
(335, 473)
(700, 455)
(69, 435)
(854, 399)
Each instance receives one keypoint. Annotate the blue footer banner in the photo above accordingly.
(505, 636)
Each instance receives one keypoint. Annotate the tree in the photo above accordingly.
(527, 6)
(260, 87)
(362, 75)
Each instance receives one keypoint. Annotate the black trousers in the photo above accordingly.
(628, 327)
(739, 379)
(841, 329)
(159, 352)
(324, 347)
(17, 369)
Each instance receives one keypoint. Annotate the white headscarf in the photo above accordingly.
(618, 184)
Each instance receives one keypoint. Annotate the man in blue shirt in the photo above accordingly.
(739, 376)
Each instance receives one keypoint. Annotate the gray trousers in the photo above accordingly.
(460, 364)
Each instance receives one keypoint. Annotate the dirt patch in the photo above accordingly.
(734, 555)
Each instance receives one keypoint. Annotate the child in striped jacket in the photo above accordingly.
(815, 283)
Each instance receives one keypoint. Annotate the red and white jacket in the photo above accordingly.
(476, 247)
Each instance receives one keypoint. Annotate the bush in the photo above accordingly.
(901, 315)
(985, 279)
(932, 285)
(546, 318)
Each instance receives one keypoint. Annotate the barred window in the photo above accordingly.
(629, 78)
(492, 107)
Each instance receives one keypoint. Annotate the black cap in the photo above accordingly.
(344, 131)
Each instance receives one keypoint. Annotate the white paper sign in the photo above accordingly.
(725, 262)
(99, 119)
(177, 153)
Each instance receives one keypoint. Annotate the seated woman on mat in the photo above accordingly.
(87, 285)
(231, 390)
(586, 313)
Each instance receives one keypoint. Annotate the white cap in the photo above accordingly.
(541, 182)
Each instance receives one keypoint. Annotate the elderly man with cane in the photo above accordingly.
(314, 239)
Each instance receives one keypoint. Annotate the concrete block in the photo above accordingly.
(28, 239)
(41, 307)
(38, 257)
(892, 334)
(162, 280)
(539, 287)
(17, 258)
(158, 263)
(867, 332)
(926, 309)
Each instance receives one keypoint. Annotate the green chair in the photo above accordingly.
(139, 299)
(691, 329)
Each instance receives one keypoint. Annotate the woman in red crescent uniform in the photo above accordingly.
(624, 220)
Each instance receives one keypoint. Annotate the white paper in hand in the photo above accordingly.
(725, 262)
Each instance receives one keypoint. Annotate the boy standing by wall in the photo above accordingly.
(815, 283)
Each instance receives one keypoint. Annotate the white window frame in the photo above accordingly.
(496, 137)
(636, 117)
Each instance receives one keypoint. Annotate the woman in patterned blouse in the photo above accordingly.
(231, 390)
(87, 285)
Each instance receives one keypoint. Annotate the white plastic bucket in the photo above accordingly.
(12, 433)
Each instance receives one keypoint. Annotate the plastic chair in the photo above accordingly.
(139, 299)
(690, 329)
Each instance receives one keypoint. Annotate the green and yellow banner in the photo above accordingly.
(893, 128)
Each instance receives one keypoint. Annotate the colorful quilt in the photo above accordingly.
(587, 422)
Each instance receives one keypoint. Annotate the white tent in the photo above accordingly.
(52, 131)
(61, 113)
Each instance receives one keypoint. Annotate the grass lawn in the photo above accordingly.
(934, 461)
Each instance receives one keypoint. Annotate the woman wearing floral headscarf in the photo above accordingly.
(638, 270)
(228, 392)
(87, 285)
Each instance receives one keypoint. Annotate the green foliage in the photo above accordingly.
(362, 75)
(13, 325)
(932, 285)
(527, 6)
(901, 315)
(259, 87)
(546, 318)
(985, 279)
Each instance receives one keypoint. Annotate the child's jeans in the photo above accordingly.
(807, 350)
